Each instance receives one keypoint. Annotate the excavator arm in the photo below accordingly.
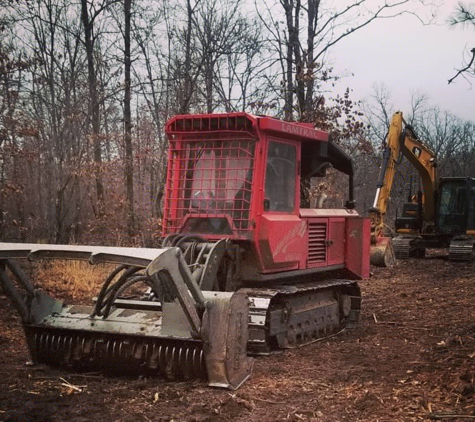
(401, 140)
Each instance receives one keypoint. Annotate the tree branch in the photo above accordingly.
(465, 68)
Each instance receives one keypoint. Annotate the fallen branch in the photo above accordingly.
(319, 339)
(67, 384)
(398, 324)
(91, 375)
(266, 401)
(437, 416)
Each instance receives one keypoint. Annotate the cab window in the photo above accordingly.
(280, 177)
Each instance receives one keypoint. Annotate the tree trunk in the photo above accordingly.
(289, 86)
(184, 107)
(129, 164)
(94, 106)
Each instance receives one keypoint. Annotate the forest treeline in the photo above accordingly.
(86, 87)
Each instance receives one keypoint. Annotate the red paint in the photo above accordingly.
(282, 241)
(226, 150)
(357, 249)
(295, 130)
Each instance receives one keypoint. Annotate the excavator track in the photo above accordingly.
(406, 247)
(402, 247)
(292, 316)
(461, 250)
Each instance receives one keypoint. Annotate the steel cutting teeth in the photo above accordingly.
(169, 358)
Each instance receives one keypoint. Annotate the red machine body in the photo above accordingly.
(242, 267)
(237, 176)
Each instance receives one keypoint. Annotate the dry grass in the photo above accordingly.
(78, 279)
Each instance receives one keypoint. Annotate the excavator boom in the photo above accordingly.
(382, 253)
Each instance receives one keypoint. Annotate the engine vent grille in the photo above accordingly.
(317, 250)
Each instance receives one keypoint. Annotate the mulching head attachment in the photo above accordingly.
(187, 334)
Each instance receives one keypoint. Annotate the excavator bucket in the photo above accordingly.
(184, 333)
(382, 253)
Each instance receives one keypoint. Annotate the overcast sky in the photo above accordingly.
(408, 57)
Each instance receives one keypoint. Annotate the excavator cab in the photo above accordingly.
(456, 206)
(456, 216)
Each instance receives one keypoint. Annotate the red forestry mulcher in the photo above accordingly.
(242, 269)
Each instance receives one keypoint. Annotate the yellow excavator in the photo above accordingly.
(441, 215)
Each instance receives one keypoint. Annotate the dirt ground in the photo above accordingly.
(411, 359)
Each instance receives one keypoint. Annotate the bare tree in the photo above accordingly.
(153, 31)
(464, 15)
(449, 137)
(311, 29)
(90, 12)
(462, 161)
(239, 76)
(129, 163)
(218, 26)
(189, 78)
(11, 69)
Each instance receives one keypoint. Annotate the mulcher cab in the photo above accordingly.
(232, 229)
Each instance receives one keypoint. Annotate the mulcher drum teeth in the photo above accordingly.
(171, 359)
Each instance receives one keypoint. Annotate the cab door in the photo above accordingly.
(282, 233)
